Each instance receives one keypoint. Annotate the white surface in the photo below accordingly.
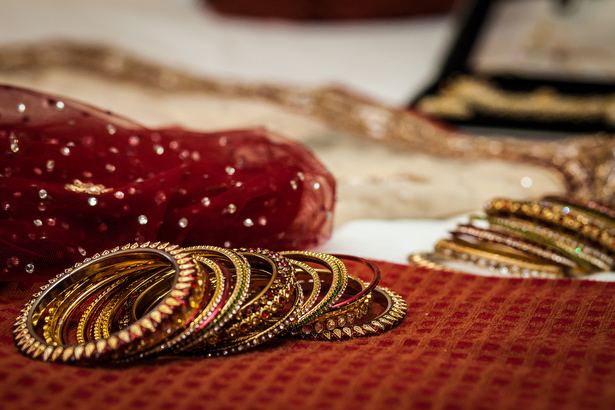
(389, 60)
(390, 241)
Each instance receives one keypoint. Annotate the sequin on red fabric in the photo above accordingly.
(75, 180)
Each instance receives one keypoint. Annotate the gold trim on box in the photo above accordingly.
(585, 164)
(461, 98)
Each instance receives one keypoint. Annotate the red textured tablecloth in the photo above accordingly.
(468, 342)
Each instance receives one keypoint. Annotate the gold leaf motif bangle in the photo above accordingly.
(505, 265)
(206, 310)
(339, 317)
(394, 311)
(89, 326)
(116, 312)
(154, 327)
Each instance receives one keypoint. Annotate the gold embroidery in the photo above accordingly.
(87, 188)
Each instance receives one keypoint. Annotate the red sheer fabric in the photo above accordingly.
(76, 180)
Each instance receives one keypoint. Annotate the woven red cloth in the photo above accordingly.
(468, 342)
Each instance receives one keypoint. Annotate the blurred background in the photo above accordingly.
(385, 50)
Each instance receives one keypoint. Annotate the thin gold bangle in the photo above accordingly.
(55, 329)
(505, 265)
(205, 330)
(339, 281)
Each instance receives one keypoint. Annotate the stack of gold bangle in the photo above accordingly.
(550, 237)
(147, 300)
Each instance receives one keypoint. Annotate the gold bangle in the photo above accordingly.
(64, 306)
(315, 288)
(86, 326)
(505, 265)
(430, 261)
(168, 316)
(115, 314)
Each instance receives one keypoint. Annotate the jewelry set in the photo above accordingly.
(146, 300)
(550, 237)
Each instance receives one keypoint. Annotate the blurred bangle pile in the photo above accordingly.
(151, 299)
(550, 237)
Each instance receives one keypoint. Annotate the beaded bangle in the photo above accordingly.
(596, 210)
(205, 328)
(168, 315)
(600, 208)
(275, 326)
(270, 298)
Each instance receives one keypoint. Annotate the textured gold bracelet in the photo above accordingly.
(394, 310)
(337, 318)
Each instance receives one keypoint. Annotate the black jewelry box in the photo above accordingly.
(541, 65)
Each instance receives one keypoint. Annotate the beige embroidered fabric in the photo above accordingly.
(389, 163)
